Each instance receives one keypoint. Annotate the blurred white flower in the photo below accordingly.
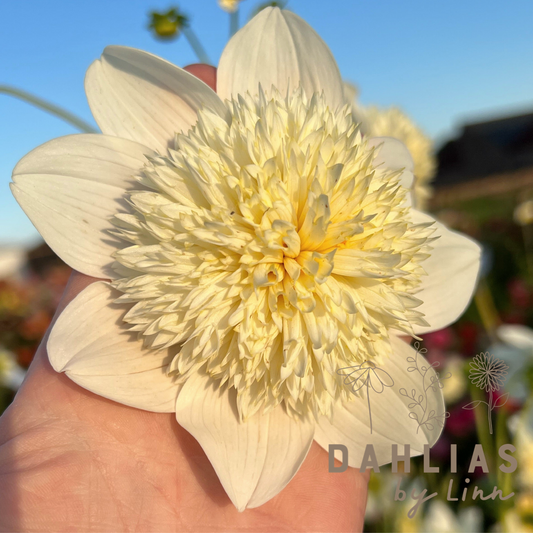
(523, 440)
(12, 261)
(11, 374)
(440, 518)
(516, 350)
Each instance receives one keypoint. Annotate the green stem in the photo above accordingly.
(486, 309)
(527, 235)
(196, 45)
(233, 23)
(72, 119)
(482, 428)
(490, 407)
(505, 479)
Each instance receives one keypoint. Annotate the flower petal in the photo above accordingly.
(278, 48)
(452, 274)
(516, 335)
(394, 155)
(254, 460)
(70, 187)
(136, 95)
(390, 411)
(91, 345)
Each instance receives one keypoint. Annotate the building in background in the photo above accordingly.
(489, 159)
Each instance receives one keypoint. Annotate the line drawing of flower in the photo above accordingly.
(368, 375)
(488, 373)
(429, 416)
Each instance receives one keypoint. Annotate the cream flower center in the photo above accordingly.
(270, 252)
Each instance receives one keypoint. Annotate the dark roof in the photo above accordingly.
(485, 148)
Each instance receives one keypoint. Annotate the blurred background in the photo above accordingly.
(452, 80)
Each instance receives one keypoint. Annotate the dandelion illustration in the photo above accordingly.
(366, 375)
(488, 373)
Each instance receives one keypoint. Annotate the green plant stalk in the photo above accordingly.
(233, 23)
(505, 480)
(486, 309)
(53, 109)
(482, 428)
(196, 45)
(527, 235)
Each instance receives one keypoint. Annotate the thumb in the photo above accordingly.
(207, 73)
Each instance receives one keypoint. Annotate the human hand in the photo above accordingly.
(74, 461)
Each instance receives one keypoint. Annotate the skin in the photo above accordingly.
(72, 461)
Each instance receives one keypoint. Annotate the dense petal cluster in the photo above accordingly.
(273, 251)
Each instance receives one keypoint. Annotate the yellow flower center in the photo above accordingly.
(270, 251)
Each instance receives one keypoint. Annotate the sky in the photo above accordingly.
(443, 62)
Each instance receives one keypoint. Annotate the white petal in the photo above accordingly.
(91, 345)
(394, 155)
(70, 187)
(136, 95)
(517, 361)
(390, 411)
(254, 460)
(278, 48)
(516, 335)
(452, 274)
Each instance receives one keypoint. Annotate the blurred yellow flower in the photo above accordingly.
(229, 5)
(455, 386)
(393, 122)
(519, 519)
(441, 519)
(523, 214)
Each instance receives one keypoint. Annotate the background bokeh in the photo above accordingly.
(453, 80)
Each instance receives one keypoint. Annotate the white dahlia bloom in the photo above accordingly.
(256, 245)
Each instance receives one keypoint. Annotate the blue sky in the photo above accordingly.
(443, 62)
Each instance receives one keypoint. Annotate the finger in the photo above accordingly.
(206, 73)
(76, 283)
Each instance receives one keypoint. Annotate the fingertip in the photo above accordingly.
(76, 283)
(206, 73)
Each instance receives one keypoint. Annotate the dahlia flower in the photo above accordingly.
(253, 244)
(393, 122)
